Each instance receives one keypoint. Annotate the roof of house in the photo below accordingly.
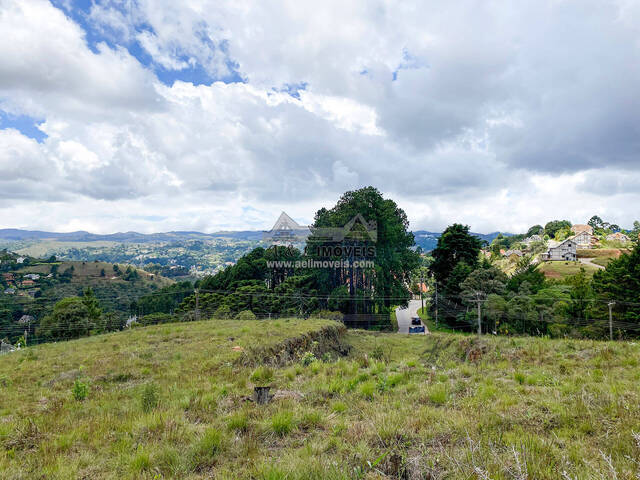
(578, 228)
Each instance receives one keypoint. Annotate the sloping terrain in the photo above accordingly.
(173, 401)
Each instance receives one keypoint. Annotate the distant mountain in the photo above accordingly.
(424, 239)
(429, 240)
(12, 234)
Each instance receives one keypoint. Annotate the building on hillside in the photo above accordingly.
(10, 291)
(576, 229)
(584, 240)
(513, 254)
(20, 260)
(32, 276)
(28, 283)
(618, 237)
(26, 320)
(532, 239)
(564, 251)
(8, 277)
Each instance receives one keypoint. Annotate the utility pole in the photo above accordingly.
(479, 313)
(436, 283)
(611, 304)
(197, 291)
(421, 296)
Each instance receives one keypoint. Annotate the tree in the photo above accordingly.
(371, 289)
(551, 228)
(69, 319)
(620, 282)
(455, 245)
(596, 223)
(635, 233)
(535, 230)
(93, 306)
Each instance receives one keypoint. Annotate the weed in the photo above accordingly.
(282, 423)
(80, 390)
(149, 397)
(262, 374)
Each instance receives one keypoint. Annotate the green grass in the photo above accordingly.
(565, 269)
(603, 261)
(420, 410)
(423, 313)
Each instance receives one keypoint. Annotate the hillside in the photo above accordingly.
(171, 401)
(172, 254)
(33, 289)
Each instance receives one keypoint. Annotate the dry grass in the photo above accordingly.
(521, 408)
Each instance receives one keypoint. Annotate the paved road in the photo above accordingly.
(589, 261)
(404, 316)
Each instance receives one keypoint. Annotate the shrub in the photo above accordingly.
(222, 312)
(308, 358)
(245, 315)
(149, 397)
(558, 330)
(282, 423)
(519, 377)
(377, 352)
(80, 390)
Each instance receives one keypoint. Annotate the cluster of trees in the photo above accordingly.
(351, 288)
(527, 302)
(75, 317)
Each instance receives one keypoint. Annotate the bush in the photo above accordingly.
(246, 315)
(223, 312)
(156, 318)
(80, 390)
(307, 358)
(558, 330)
(149, 397)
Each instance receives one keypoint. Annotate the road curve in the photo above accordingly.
(403, 315)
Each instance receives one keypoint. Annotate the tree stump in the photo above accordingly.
(261, 395)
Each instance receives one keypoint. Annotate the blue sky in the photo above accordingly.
(156, 115)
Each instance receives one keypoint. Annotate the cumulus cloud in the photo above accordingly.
(496, 115)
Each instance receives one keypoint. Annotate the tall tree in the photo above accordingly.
(551, 228)
(370, 289)
(455, 245)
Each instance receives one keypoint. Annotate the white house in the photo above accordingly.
(532, 239)
(618, 237)
(584, 239)
(564, 251)
(20, 259)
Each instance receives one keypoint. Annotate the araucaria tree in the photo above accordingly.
(371, 288)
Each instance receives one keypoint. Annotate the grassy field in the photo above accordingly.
(565, 269)
(90, 272)
(171, 401)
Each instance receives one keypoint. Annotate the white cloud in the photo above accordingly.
(485, 114)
